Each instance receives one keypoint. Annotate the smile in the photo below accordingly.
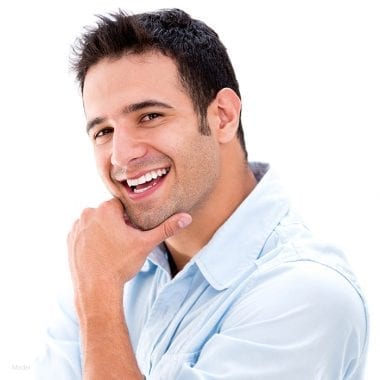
(146, 181)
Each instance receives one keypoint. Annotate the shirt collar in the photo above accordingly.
(238, 242)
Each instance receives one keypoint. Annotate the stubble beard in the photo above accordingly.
(147, 218)
(186, 198)
(189, 200)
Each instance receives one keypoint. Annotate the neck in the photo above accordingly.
(233, 186)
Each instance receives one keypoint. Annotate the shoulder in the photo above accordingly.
(299, 270)
(305, 308)
(302, 297)
(305, 283)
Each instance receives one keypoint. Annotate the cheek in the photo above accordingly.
(201, 156)
(102, 162)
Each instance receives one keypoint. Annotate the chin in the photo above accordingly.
(145, 222)
(150, 216)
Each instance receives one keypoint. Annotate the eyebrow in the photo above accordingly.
(129, 109)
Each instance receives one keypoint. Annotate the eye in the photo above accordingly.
(102, 135)
(150, 116)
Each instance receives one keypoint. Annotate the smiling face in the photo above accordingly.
(147, 144)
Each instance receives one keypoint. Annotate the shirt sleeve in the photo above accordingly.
(304, 322)
(60, 357)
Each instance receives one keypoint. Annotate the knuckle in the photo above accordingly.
(86, 213)
(110, 205)
(104, 205)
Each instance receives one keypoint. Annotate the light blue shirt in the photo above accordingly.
(262, 300)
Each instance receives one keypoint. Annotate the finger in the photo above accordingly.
(112, 204)
(168, 228)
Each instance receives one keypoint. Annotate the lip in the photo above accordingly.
(147, 193)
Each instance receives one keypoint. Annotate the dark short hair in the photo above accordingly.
(203, 64)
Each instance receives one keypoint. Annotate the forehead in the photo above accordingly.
(131, 78)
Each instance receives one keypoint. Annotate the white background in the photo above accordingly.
(310, 78)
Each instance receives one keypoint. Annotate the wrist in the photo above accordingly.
(100, 300)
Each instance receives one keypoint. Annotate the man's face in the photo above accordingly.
(145, 132)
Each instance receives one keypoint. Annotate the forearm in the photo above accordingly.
(107, 349)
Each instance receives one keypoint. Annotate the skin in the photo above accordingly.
(140, 118)
(151, 138)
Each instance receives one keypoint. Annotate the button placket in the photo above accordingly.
(155, 337)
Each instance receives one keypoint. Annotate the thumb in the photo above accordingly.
(169, 227)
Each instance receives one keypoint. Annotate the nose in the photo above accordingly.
(125, 147)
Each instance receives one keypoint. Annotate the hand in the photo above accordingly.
(104, 249)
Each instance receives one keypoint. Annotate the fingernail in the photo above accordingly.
(184, 221)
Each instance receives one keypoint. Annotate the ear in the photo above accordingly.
(226, 109)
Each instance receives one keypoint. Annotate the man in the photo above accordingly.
(196, 268)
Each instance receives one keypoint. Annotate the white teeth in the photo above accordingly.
(147, 177)
(133, 182)
(137, 191)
